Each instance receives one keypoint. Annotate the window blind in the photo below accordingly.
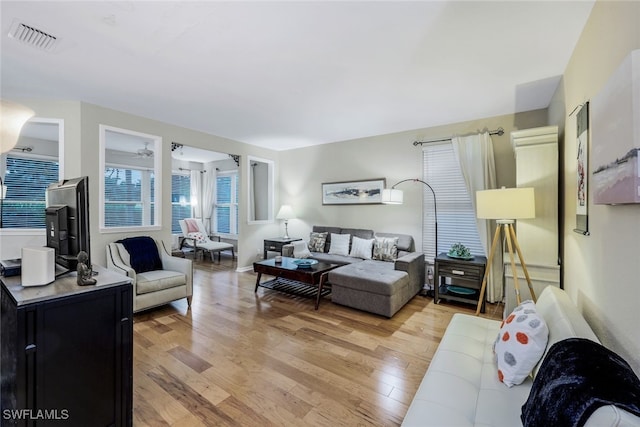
(128, 197)
(456, 217)
(27, 180)
(180, 200)
(226, 204)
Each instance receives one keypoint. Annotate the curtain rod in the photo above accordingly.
(498, 132)
(191, 170)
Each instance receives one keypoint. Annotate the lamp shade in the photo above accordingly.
(506, 203)
(285, 212)
(12, 118)
(391, 196)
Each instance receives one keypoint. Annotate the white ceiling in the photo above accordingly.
(292, 74)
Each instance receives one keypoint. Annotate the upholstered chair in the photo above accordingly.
(158, 278)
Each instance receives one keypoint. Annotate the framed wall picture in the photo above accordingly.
(615, 137)
(364, 192)
(582, 168)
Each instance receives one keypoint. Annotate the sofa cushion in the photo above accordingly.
(334, 259)
(359, 232)
(406, 243)
(520, 344)
(562, 317)
(377, 277)
(317, 241)
(339, 244)
(157, 280)
(328, 230)
(361, 248)
(385, 248)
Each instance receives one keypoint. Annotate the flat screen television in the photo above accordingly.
(67, 220)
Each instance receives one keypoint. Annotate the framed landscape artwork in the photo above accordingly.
(615, 136)
(365, 192)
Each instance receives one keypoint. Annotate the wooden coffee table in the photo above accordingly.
(292, 279)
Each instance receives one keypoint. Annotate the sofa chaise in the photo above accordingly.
(380, 284)
(461, 386)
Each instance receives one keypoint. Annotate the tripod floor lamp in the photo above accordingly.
(505, 206)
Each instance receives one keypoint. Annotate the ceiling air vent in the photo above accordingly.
(32, 36)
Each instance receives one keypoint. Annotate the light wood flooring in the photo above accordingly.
(269, 359)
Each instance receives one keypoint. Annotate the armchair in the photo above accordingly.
(158, 278)
(195, 236)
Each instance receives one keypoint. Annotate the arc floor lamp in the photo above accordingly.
(393, 196)
(505, 205)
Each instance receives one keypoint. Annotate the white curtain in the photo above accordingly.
(196, 186)
(209, 195)
(475, 154)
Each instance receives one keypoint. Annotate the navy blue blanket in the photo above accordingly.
(577, 377)
(143, 253)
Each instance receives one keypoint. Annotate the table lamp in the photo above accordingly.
(505, 205)
(286, 213)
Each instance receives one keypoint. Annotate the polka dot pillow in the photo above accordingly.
(520, 344)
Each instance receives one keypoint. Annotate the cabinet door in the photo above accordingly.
(77, 362)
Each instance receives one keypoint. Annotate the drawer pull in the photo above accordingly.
(458, 272)
(272, 247)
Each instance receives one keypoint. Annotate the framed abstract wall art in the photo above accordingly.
(363, 192)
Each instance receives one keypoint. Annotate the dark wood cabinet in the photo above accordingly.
(459, 280)
(67, 352)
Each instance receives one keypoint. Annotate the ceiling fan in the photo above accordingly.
(145, 152)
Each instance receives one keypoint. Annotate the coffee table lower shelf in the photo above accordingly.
(293, 287)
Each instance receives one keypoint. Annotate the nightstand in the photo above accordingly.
(465, 279)
(275, 244)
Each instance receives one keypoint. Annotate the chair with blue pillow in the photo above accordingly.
(158, 278)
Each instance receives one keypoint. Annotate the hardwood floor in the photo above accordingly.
(247, 359)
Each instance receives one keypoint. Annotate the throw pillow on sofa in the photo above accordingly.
(300, 249)
(339, 244)
(385, 248)
(520, 344)
(317, 241)
(361, 248)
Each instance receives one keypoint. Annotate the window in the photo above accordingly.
(180, 200)
(27, 179)
(125, 205)
(130, 183)
(456, 217)
(226, 204)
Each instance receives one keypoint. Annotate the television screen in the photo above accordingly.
(67, 216)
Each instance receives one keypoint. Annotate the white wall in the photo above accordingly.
(601, 271)
(393, 157)
(81, 157)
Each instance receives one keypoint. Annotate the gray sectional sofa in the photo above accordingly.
(372, 285)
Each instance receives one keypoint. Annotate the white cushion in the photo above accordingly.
(339, 244)
(197, 236)
(300, 249)
(520, 344)
(361, 248)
